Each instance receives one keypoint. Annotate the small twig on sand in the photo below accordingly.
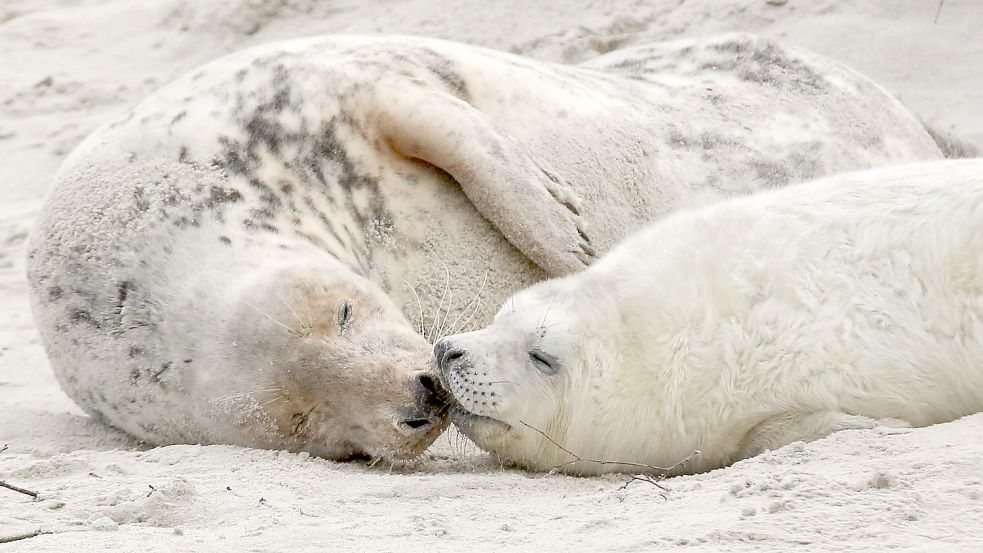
(654, 480)
(18, 537)
(17, 489)
(939, 11)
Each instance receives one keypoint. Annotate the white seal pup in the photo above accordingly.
(225, 261)
(843, 303)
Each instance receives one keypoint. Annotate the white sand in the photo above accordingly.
(66, 65)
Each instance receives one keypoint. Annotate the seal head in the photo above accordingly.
(339, 370)
(516, 385)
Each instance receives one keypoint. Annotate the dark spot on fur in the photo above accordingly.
(261, 213)
(261, 186)
(807, 165)
(139, 198)
(164, 367)
(767, 63)
(225, 239)
(54, 292)
(77, 316)
(234, 158)
(314, 240)
(771, 173)
(149, 428)
(271, 200)
(259, 225)
(454, 82)
(184, 222)
(738, 46)
(172, 198)
(266, 131)
(218, 196)
(123, 290)
(709, 141)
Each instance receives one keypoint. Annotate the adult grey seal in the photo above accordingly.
(843, 303)
(225, 262)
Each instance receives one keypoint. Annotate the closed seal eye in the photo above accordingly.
(345, 315)
(545, 362)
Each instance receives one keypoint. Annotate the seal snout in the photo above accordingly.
(431, 404)
(448, 357)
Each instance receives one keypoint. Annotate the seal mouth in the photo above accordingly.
(412, 447)
(467, 421)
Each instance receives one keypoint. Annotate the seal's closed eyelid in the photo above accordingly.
(345, 314)
(545, 362)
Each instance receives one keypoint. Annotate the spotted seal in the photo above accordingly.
(238, 258)
(843, 303)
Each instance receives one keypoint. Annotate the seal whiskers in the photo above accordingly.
(242, 395)
(419, 304)
(436, 317)
(475, 302)
(310, 325)
(275, 321)
(450, 304)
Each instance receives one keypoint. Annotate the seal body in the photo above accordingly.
(842, 303)
(259, 252)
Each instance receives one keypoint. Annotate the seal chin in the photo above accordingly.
(404, 453)
(413, 442)
(479, 429)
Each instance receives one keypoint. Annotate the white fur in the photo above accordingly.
(845, 302)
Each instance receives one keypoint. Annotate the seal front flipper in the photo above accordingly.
(781, 430)
(508, 184)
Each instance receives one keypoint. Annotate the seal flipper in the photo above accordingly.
(508, 184)
(781, 430)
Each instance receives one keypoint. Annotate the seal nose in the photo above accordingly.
(431, 404)
(446, 355)
(429, 394)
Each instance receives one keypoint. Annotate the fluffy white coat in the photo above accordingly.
(846, 302)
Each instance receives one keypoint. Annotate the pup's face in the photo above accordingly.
(511, 381)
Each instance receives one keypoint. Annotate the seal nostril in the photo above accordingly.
(445, 354)
(428, 383)
(417, 424)
(451, 357)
